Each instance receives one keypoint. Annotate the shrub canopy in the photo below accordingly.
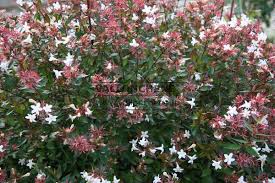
(135, 91)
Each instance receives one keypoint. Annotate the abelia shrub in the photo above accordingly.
(135, 91)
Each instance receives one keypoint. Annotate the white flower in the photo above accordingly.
(130, 108)
(56, 6)
(36, 108)
(218, 136)
(135, 17)
(72, 117)
(92, 21)
(92, 37)
(192, 146)
(109, 66)
(202, 35)
(116, 180)
(258, 53)
(194, 41)
(26, 175)
(148, 10)
(244, 21)
(262, 158)
(57, 73)
(175, 176)
(147, 118)
(69, 60)
(232, 110)
(134, 43)
(263, 120)
(187, 134)
(228, 158)
(266, 149)
(150, 20)
(22, 161)
(246, 105)
(216, 164)
(153, 151)
(251, 48)
(181, 154)
(52, 57)
(30, 163)
(144, 134)
(228, 47)
(219, 22)
(161, 149)
(134, 144)
(20, 2)
(262, 63)
(43, 137)
(172, 16)
(272, 180)
(191, 102)
(103, 6)
(166, 35)
(25, 28)
(257, 149)
(64, 40)
(84, 7)
(164, 99)
(51, 118)
(154, 9)
(157, 179)
(142, 154)
(262, 37)
(241, 180)
(197, 76)
(40, 175)
(28, 40)
(178, 169)
(4, 66)
(246, 113)
(31, 117)
(173, 150)
(2, 148)
(143, 142)
(47, 108)
(233, 22)
(183, 61)
(191, 159)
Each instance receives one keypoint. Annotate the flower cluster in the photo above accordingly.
(42, 112)
(92, 178)
(191, 88)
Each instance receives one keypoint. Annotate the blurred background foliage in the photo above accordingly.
(260, 9)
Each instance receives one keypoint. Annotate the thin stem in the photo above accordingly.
(222, 10)
(90, 23)
(89, 17)
(232, 7)
(184, 3)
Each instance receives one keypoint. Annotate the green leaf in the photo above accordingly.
(206, 172)
(240, 140)
(231, 146)
(239, 9)
(10, 82)
(251, 151)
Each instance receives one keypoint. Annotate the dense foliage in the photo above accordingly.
(135, 91)
(260, 8)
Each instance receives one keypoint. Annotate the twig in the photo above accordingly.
(222, 10)
(232, 7)
(90, 23)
